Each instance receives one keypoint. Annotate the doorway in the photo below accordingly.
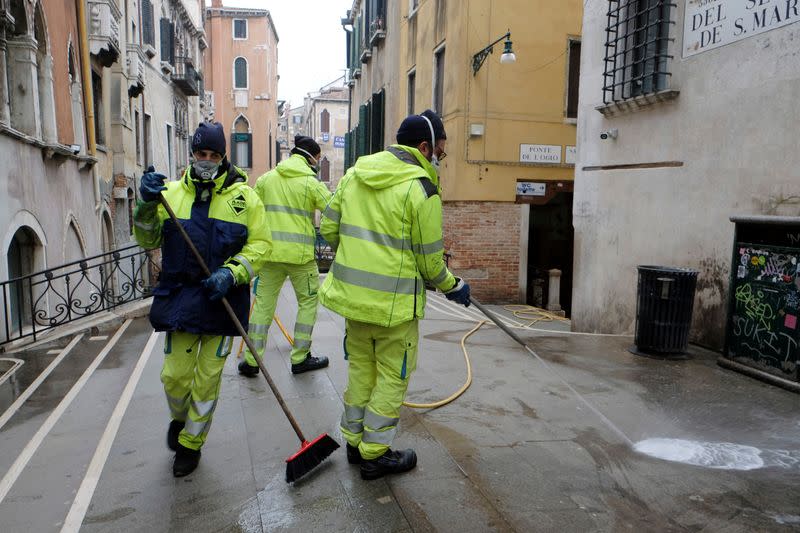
(550, 245)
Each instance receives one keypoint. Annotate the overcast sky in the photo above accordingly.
(311, 46)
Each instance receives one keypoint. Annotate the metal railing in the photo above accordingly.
(44, 300)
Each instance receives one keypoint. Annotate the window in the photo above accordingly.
(573, 78)
(325, 170)
(148, 142)
(138, 132)
(325, 121)
(297, 119)
(438, 81)
(412, 87)
(637, 39)
(99, 120)
(240, 73)
(167, 41)
(170, 150)
(242, 143)
(240, 29)
(148, 30)
(131, 208)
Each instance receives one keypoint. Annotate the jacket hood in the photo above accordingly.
(295, 167)
(385, 169)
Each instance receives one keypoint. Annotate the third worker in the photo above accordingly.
(291, 194)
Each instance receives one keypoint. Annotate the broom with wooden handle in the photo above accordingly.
(311, 453)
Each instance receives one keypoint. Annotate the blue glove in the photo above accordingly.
(151, 186)
(459, 293)
(219, 283)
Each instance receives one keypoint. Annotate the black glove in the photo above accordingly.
(151, 186)
(459, 293)
(219, 283)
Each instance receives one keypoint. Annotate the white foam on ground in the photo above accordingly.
(723, 455)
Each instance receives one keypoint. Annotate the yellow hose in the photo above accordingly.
(466, 384)
(283, 330)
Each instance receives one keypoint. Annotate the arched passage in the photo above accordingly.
(23, 258)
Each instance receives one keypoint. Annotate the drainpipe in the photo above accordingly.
(88, 97)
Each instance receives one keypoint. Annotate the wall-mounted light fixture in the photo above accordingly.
(507, 57)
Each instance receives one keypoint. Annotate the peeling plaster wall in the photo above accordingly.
(733, 127)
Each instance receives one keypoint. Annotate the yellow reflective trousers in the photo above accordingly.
(191, 375)
(305, 281)
(381, 360)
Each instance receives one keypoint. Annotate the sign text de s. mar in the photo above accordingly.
(709, 24)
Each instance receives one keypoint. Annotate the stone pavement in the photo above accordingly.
(531, 446)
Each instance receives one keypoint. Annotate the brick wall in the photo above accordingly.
(483, 238)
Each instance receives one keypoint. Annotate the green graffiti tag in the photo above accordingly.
(754, 306)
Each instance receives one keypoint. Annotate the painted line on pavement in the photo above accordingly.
(33, 445)
(16, 363)
(14, 407)
(86, 491)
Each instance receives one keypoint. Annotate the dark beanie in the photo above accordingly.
(306, 143)
(414, 129)
(209, 136)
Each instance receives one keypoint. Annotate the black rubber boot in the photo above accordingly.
(186, 460)
(246, 369)
(310, 363)
(392, 462)
(353, 455)
(174, 430)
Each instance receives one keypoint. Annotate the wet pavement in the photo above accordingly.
(533, 445)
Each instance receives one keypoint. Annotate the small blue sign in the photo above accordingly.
(338, 142)
(326, 137)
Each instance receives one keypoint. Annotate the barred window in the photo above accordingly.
(637, 48)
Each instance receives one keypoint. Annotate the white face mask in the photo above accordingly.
(434, 159)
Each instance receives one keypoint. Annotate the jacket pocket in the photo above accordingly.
(227, 240)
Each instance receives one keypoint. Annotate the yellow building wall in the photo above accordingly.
(519, 103)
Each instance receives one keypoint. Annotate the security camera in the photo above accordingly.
(75, 148)
(608, 134)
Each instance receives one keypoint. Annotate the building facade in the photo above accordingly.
(242, 83)
(507, 180)
(688, 115)
(93, 94)
(325, 119)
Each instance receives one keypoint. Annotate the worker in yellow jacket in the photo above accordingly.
(385, 220)
(291, 194)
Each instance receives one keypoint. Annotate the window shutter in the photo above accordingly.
(148, 32)
(249, 150)
(232, 150)
(376, 122)
(172, 43)
(361, 131)
(164, 37)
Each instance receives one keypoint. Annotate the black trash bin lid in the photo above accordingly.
(666, 270)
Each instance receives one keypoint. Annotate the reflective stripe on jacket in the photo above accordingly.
(291, 193)
(385, 219)
(227, 225)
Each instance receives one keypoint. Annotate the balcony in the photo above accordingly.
(186, 77)
(366, 53)
(104, 20)
(135, 62)
(377, 31)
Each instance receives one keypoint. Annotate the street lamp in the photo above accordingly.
(507, 57)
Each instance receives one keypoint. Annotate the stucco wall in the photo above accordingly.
(38, 191)
(733, 130)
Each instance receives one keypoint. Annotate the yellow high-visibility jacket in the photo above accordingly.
(385, 221)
